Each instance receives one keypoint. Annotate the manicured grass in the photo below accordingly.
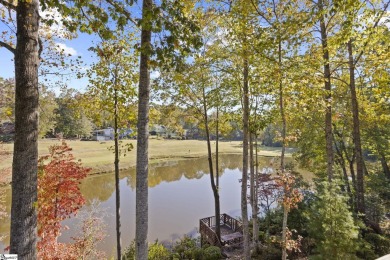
(97, 155)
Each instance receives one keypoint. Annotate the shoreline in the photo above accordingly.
(99, 157)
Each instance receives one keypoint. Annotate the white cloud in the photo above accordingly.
(57, 29)
(62, 47)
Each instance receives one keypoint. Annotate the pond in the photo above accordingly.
(179, 195)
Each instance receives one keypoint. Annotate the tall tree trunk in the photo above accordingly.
(341, 162)
(217, 149)
(244, 184)
(328, 94)
(281, 107)
(116, 164)
(284, 232)
(356, 134)
(251, 172)
(351, 163)
(141, 230)
(255, 200)
(385, 167)
(213, 186)
(25, 158)
(253, 190)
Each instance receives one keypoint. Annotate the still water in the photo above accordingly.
(179, 195)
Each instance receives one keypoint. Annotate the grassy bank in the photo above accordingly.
(97, 155)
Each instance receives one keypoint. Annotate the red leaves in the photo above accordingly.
(58, 198)
(291, 195)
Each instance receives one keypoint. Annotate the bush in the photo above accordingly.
(270, 252)
(212, 253)
(129, 253)
(331, 224)
(156, 251)
(198, 253)
(186, 248)
(380, 244)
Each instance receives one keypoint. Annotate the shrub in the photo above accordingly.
(129, 253)
(331, 224)
(212, 253)
(156, 251)
(186, 248)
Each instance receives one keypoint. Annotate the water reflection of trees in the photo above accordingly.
(102, 186)
(190, 169)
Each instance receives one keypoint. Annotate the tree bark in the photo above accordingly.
(25, 158)
(244, 184)
(141, 231)
(356, 134)
(284, 232)
(217, 149)
(116, 164)
(385, 167)
(341, 162)
(328, 94)
(253, 191)
(213, 186)
(255, 201)
(281, 107)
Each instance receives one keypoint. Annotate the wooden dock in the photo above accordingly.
(231, 231)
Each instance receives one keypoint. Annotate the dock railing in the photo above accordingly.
(208, 234)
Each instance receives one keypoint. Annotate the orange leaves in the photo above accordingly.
(58, 198)
(291, 195)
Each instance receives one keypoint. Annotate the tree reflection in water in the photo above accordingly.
(180, 194)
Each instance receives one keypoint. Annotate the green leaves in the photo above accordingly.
(331, 224)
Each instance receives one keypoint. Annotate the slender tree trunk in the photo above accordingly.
(341, 162)
(356, 134)
(251, 172)
(285, 215)
(253, 196)
(328, 95)
(244, 184)
(213, 186)
(385, 167)
(141, 230)
(217, 149)
(116, 164)
(281, 107)
(352, 171)
(25, 158)
(255, 200)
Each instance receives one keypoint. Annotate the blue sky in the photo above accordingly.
(77, 47)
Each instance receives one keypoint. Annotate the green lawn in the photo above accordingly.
(97, 155)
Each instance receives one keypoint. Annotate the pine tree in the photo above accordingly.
(331, 224)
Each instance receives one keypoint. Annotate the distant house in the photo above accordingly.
(109, 134)
(103, 134)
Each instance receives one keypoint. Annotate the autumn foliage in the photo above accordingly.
(59, 197)
(291, 195)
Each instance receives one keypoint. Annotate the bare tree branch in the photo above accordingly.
(7, 46)
(8, 4)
